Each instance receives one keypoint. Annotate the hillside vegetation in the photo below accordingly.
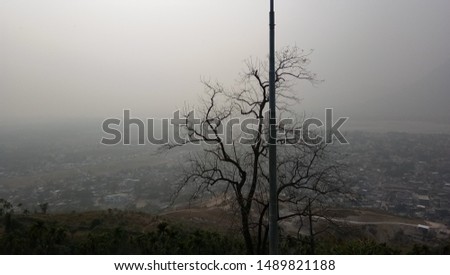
(125, 232)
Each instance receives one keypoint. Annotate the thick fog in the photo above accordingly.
(67, 59)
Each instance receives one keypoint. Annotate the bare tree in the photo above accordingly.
(235, 163)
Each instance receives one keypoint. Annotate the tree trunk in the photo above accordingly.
(246, 232)
(311, 231)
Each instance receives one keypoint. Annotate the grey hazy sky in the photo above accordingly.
(93, 58)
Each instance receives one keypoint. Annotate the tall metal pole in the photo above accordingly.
(273, 198)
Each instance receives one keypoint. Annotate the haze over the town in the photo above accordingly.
(92, 59)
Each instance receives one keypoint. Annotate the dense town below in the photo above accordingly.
(402, 174)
